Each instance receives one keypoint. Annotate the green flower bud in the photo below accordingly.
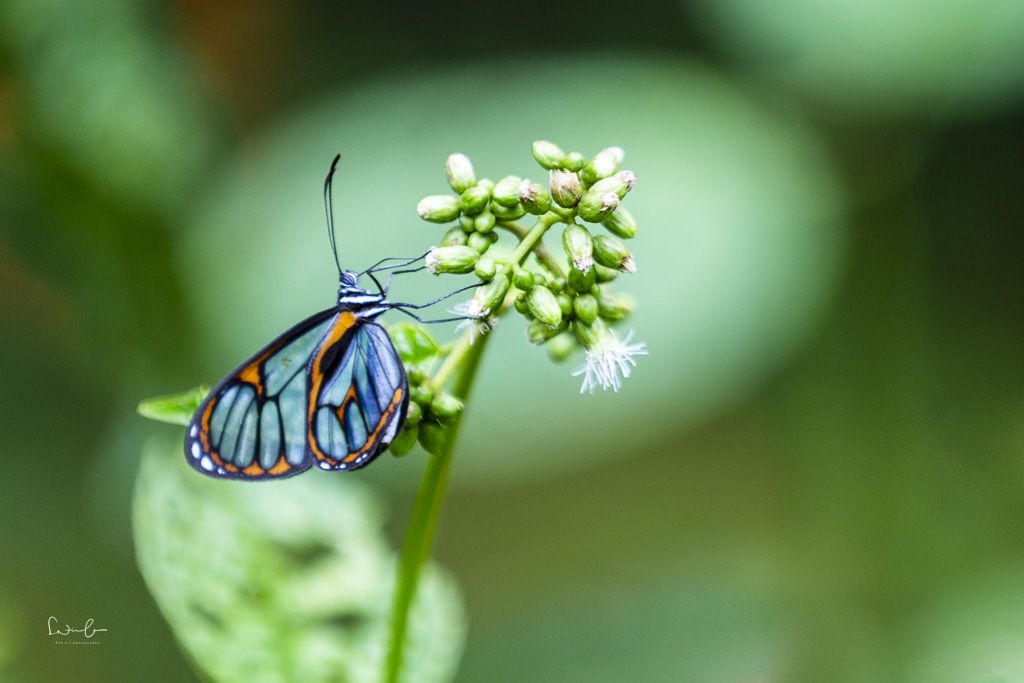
(506, 191)
(566, 188)
(534, 197)
(620, 183)
(405, 439)
(602, 165)
(474, 200)
(588, 335)
(538, 333)
(508, 213)
(454, 237)
(485, 269)
(561, 346)
(616, 153)
(585, 307)
(621, 223)
(421, 394)
(467, 223)
(523, 279)
(491, 295)
(574, 161)
(520, 304)
(548, 154)
(485, 221)
(438, 208)
(579, 247)
(487, 184)
(614, 306)
(416, 376)
(454, 259)
(565, 303)
(414, 414)
(582, 282)
(596, 206)
(459, 171)
(556, 284)
(445, 406)
(603, 274)
(543, 306)
(612, 253)
(480, 242)
(433, 437)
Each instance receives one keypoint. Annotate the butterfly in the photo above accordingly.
(330, 391)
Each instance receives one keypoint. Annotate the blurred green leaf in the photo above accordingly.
(10, 632)
(282, 581)
(138, 126)
(175, 409)
(973, 632)
(738, 209)
(938, 58)
(414, 344)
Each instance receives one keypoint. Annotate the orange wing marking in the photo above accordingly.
(396, 399)
(345, 321)
(251, 372)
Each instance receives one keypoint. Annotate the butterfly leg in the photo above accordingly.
(439, 299)
(387, 283)
(431, 322)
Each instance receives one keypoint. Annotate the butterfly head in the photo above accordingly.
(349, 279)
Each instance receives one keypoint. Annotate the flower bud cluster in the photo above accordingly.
(564, 294)
(429, 413)
(561, 306)
(569, 310)
(477, 206)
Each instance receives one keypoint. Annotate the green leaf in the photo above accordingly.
(175, 409)
(414, 343)
(11, 632)
(282, 581)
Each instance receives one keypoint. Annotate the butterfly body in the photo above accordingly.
(330, 391)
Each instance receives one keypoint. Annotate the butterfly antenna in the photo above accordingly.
(329, 210)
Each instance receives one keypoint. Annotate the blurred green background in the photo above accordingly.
(818, 472)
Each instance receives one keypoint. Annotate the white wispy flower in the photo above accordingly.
(609, 362)
(476, 318)
(431, 261)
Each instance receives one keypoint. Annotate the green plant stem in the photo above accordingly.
(546, 258)
(451, 361)
(427, 508)
(464, 360)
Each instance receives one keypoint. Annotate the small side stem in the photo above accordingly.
(464, 360)
(546, 258)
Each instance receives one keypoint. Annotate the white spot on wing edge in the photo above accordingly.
(389, 435)
(206, 463)
(324, 465)
(193, 431)
(195, 448)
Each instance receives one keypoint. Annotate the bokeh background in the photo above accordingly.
(818, 472)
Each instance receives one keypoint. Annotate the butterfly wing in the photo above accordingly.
(358, 395)
(252, 425)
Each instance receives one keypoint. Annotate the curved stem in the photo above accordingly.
(464, 359)
(546, 258)
(452, 361)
